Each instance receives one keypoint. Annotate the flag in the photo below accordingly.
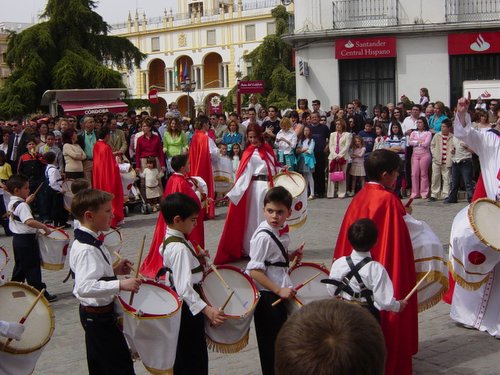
(176, 76)
(179, 76)
(186, 72)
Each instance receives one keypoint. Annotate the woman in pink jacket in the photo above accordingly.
(421, 159)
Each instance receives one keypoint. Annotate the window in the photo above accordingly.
(249, 33)
(155, 44)
(211, 38)
(271, 28)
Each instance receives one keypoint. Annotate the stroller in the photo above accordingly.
(132, 196)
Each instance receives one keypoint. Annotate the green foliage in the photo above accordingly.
(70, 50)
(272, 62)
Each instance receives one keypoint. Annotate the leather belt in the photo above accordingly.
(98, 309)
(260, 177)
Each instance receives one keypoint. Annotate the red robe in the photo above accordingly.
(230, 247)
(106, 176)
(201, 165)
(176, 183)
(479, 192)
(395, 251)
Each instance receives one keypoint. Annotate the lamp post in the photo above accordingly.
(188, 87)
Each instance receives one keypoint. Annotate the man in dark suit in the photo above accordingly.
(17, 143)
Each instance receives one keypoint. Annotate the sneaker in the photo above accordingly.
(431, 199)
(311, 197)
(50, 297)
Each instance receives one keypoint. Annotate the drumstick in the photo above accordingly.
(227, 301)
(27, 313)
(120, 258)
(131, 300)
(408, 204)
(38, 189)
(297, 288)
(226, 285)
(416, 286)
(294, 261)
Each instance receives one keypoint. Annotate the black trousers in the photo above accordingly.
(27, 260)
(4, 221)
(319, 173)
(107, 350)
(268, 322)
(192, 355)
(409, 153)
(55, 202)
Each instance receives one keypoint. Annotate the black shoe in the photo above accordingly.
(449, 201)
(50, 297)
(431, 199)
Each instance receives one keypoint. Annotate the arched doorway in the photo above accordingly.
(182, 103)
(183, 70)
(156, 74)
(211, 71)
(159, 109)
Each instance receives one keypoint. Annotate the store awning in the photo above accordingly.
(92, 108)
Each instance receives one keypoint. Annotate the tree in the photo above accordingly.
(70, 50)
(272, 62)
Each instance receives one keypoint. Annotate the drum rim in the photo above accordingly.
(256, 293)
(131, 311)
(472, 222)
(289, 173)
(43, 300)
(114, 230)
(319, 266)
(7, 259)
(55, 229)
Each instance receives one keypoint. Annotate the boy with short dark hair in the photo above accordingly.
(24, 229)
(54, 191)
(96, 285)
(330, 337)
(268, 267)
(180, 212)
(394, 250)
(358, 278)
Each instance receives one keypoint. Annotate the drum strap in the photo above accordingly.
(284, 264)
(88, 239)
(14, 206)
(343, 285)
(172, 239)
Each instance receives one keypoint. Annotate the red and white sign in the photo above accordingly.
(474, 43)
(251, 87)
(365, 48)
(215, 105)
(153, 96)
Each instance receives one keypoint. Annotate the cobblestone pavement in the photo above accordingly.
(444, 348)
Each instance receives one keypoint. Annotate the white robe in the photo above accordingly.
(479, 308)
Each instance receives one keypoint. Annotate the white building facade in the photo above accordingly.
(378, 50)
(203, 45)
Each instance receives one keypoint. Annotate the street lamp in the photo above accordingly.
(188, 87)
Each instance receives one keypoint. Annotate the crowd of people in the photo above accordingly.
(403, 149)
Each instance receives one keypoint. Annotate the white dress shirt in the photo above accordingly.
(23, 212)
(89, 265)
(263, 248)
(288, 135)
(54, 177)
(409, 123)
(181, 261)
(373, 275)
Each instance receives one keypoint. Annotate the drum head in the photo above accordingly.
(152, 301)
(4, 258)
(292, 181)
(245, 295)
(16, 299)
(484, 216)
(57, 234)
(112, 238)
(315, 290)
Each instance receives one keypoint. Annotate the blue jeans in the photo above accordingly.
(463, 169)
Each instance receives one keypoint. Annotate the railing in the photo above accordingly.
(472, 10)
(208, 14)
(364, 13)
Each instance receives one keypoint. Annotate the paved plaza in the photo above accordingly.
(444, 348)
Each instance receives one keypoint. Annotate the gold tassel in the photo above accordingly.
(465, 284)
(227, 348)
(434, 276)
(155, 371)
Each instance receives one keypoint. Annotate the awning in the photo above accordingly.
(93, 107)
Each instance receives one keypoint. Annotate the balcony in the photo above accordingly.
(472, 10)
(364, 13)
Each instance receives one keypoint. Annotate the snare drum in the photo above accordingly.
(4, 259)
(151, 325)
(475, 243)
(296, 185)
(113, 241)
(223, 175)
(232, 336)
(314, 290)
(67, 195)
(20, 357)
(429, 255)
(53, 249)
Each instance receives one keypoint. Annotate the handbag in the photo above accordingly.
(338, 174)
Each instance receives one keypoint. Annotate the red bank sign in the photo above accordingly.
(251, 87)
(474, 43)
(365, 48)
